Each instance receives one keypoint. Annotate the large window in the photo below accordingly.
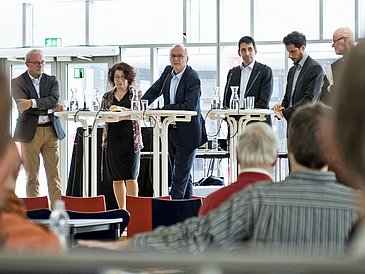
(201, 21)
(235, 18)
(59, 20)
(275, 19)
(137, 22)
(11, 26)
(336, 14)
(140, 60)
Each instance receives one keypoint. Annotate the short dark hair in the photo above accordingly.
(5, 109)
(305, 136)
(247, 40)
(128, 72)
(295, 38)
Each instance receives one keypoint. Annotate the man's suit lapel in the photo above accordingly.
(303, 71)
(29, 83)
(42, 85)
(236, 79)
(254, 72)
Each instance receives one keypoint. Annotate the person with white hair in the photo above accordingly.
(38, 129)
(181, 89)
(257, 153)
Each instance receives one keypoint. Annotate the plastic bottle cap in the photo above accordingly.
(60, 204)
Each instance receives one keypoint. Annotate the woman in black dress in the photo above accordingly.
(122, 141)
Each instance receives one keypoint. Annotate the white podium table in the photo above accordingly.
(112, 117)
(236, 127)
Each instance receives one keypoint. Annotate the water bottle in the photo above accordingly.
(234, 103)
(95, 100)
(74, 104)
(59, 224)
(135, 103)
(216, 103)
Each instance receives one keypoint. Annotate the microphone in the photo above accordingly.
(227, 86)
(163, 85)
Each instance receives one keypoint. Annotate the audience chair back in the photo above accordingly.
(110, 214)
(85, 204)
(140, 209)
(169, 212)
(38, 213)
(33, 203)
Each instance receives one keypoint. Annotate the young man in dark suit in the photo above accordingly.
(180, 86)
(253, 78)
(304, 79)
(38, 130)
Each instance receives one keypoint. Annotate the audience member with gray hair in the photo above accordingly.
(257, 153)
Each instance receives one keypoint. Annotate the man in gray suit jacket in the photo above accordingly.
(36, 95)
(304, 78)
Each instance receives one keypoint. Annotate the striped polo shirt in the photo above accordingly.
(307, 211)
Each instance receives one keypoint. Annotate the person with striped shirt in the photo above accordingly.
(308, 213)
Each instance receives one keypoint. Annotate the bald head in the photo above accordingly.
(343, 41)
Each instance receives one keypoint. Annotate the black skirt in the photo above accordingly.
(120, 160)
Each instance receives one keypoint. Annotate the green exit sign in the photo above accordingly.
(53, 42)
(79, 73)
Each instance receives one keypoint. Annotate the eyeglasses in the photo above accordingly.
(117, 78)
(334, 41)
(37, 63)
(179, 56)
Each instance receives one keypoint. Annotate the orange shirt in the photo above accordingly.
(20, 235)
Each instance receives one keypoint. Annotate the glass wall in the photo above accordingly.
(137, 22)
(59, 20)
(139, 59)
(235, 19)
(336, 14)
(201, 21)
(275, 19)
(11, 26)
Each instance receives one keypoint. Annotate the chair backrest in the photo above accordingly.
(33, 203)
(140, 210)
(110, 214)
(38, 213)
(85, 204)
(169, 212)
(198, 197)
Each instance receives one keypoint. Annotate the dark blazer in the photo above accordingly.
(337, 68)
(307, 88)
(23, 88)
(260, 85)
(192, 134)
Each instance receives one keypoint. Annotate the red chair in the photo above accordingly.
(85, 204)
(140, 210)
(33, 203)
